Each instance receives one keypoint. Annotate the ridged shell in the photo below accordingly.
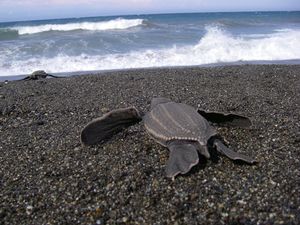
(177, 121)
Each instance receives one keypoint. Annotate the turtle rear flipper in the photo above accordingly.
(110, 123)
(222, 119)
(183, 156)
(232, 154)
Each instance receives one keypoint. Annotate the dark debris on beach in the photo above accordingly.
(48, 177)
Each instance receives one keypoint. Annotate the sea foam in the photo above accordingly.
(119, 23)
(216, 46)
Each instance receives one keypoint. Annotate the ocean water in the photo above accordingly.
(123, 42)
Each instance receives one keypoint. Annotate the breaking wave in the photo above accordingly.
(216, 46)
(7, 34)
(116, 24)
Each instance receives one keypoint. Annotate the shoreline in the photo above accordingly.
(47, 176)
(98, 72)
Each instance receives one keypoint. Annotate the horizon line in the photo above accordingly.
(145, 14)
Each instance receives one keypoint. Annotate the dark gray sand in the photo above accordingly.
(47, 177)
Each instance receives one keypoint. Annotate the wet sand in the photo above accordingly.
(48, 177)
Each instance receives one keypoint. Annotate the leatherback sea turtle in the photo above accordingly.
(39, 74)
(181, 128)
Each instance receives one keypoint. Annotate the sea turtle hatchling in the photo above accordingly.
(40, 74)
(181, 128)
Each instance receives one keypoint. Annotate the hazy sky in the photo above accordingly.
(12, 10)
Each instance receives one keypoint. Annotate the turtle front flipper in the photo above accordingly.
(110, 123)
(222, 119)
(230, 153)
(50, 75)
(183, 156)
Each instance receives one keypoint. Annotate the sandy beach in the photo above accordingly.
(48, 177)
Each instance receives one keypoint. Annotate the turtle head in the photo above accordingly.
(159, 100)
